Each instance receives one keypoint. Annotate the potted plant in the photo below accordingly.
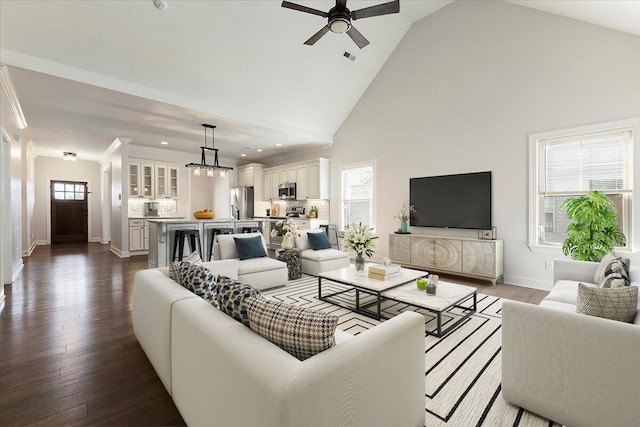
(404, 216)
(593, 229)
(362, 240)
(288, 230)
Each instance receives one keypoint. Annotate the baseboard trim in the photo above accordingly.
(119, 253)
(41, 242)
(95, 240)
(29, 251)
(528, 282)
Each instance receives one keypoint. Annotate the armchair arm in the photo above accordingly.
(574, 369)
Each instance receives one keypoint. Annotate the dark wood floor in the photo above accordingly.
(68, 355)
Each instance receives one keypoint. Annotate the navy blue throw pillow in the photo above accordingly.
(319, 241)
(250, 247)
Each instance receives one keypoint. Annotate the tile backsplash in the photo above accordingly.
(166, 208)
(322, 205)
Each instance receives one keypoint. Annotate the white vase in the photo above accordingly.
(287, 242)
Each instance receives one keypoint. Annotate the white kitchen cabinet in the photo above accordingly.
(302, 182)
(275, 182)
(245, 176)
(166, 181)
(318, 179)
(136, 235)
(141, 179)
(266, 186)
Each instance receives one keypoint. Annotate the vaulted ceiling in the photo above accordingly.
(87, 72)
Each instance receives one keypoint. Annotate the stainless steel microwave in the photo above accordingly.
(287, 191)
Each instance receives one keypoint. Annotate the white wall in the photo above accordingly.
(50, 168)
(462, 92)
(28, 198)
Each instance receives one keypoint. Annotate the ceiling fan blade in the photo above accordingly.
(377, 10)
(314, 38)
(306, 9)
(357, 37)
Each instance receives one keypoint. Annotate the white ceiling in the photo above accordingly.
(89, 72)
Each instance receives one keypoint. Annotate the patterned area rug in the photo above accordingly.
(463, 369)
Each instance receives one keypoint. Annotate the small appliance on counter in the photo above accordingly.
(294, 211)
(151, 208)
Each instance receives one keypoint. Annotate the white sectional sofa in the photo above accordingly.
(316, 262)
(220, 373)
(577, 370)
(261, 273)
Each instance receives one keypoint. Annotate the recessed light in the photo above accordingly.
(278, 145)
(259, 150)
(243, 155)
(164, 143)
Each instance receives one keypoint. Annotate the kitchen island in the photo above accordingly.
(162, 235)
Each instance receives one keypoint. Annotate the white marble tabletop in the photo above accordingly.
(349, 275)
(447, 294)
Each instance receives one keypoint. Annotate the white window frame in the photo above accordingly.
(372, 164)
(633, 236)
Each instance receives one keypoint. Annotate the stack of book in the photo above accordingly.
(382, 272)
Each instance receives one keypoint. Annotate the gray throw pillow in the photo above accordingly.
(616, 274)
(232, 298)
(299, 331)
(615, 304)
(250, 247)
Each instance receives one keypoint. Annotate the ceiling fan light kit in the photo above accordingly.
(339, 19)
(210, 169)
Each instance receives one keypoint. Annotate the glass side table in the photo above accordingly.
(293, 260)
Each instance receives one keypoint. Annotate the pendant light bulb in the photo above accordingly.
(196, 171)
(209, 173)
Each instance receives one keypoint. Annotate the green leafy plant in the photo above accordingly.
(593, 229)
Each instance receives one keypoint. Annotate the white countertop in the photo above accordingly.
(183, 220)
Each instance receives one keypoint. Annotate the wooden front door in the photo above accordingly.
(69, 213)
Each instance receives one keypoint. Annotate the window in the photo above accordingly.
(572, 162)
(357, 194)
(68, 191)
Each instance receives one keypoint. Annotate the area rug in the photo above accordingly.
(463, 369)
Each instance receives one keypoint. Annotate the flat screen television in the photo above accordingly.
(452, 201)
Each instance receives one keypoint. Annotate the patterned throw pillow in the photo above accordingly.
(616, 274)
(199, 280)
(232, 298)
(299, 331)
(174, 267)
(615, 304)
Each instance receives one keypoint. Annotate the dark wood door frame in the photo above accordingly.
(69, 211)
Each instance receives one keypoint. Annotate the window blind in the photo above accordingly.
(581, 163)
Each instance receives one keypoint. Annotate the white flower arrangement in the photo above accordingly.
(361, 239)
(287, 228)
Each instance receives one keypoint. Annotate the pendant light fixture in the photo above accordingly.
(203, 167)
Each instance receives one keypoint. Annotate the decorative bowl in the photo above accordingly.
(204, 215)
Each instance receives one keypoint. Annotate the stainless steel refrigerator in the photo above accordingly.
(242, 202)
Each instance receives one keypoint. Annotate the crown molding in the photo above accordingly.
(12, 97)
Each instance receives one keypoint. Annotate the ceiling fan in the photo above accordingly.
(340, 17)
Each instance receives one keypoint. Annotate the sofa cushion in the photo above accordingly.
(256, 265)
(323, 254)
(232, 298)
(302, 241)
(227, 244)
(299, 331)
(556, 305)
(199, 280)
(616, 274)
(250, 247)
(319, 241)
(566, 291)
(615, 303)
(174, 267)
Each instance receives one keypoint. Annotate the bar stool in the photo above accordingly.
(178, 243)
(332, 231)
(251, 229)
(214, 233)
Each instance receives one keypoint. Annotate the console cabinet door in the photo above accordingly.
(448, 254)
(479, 258)
(400, 248)
(422, 251)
